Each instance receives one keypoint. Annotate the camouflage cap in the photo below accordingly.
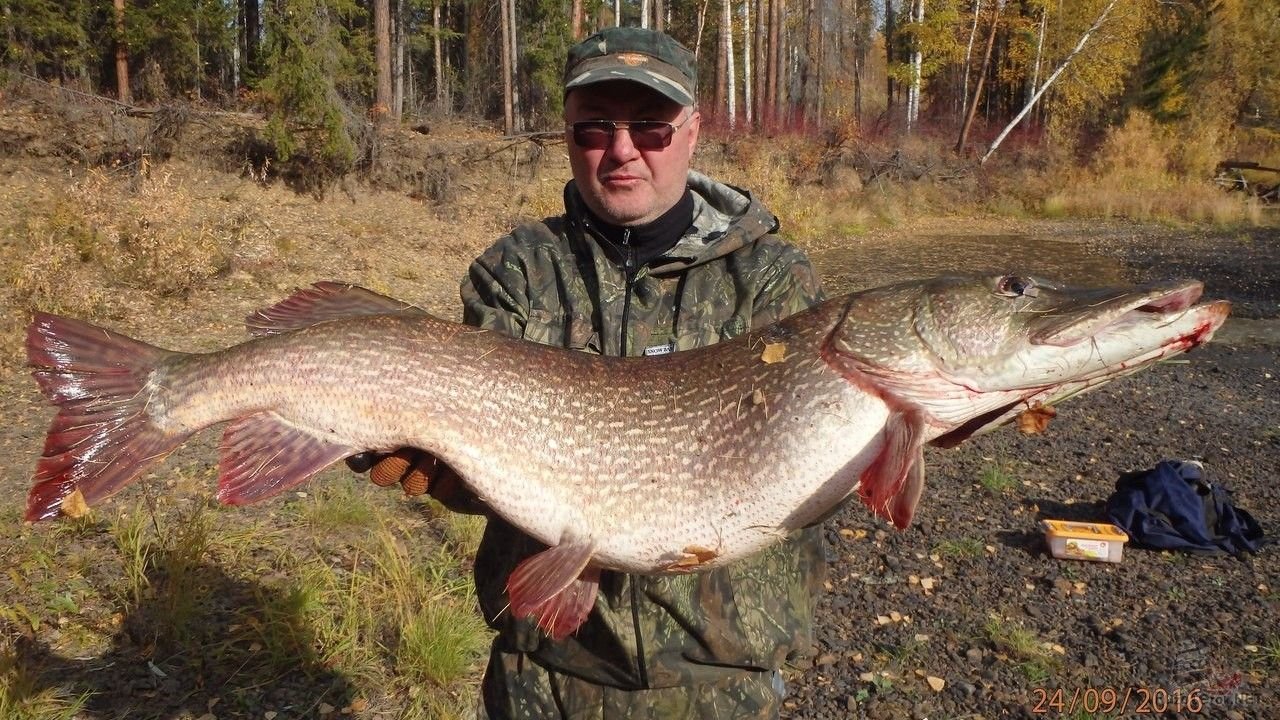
(648, 57)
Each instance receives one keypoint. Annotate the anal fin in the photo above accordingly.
(262, 455)
(556, 587)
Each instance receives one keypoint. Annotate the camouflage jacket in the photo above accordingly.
(556, 282)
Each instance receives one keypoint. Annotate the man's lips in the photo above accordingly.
(620, 180)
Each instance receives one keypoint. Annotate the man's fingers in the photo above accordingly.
(410, 467)
(421, 474)
(388, 471)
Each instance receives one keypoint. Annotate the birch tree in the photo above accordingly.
(913, 92)
(727, 19)
(968, 53)
(1084, 39)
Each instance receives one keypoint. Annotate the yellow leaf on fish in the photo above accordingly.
(774, 353)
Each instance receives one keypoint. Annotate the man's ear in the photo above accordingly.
(695, 124)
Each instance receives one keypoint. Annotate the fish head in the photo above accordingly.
(974, 352)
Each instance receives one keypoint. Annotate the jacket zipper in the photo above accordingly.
(629, 269)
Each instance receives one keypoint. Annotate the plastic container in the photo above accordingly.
(1085, 541)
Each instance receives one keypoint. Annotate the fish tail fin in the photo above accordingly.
(102, 437)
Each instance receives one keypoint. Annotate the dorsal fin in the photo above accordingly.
(319, 303)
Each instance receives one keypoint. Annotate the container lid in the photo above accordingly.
(1084, 530)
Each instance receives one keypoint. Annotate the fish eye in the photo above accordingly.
(1014, 286)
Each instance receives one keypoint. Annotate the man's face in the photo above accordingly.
(620, 183)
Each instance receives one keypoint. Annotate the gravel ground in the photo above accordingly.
(966, 614)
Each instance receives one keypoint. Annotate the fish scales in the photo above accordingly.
(684, 467)
(676, 463)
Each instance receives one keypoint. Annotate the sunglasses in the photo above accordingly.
(645, 134)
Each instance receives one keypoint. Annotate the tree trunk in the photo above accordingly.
(888, 52)
(786, 67)
(516, 117)
(913, 95)
(1035, 75)
(748, 46)
(697, 45)
(382, 57)
(659, 9)
(438, 52)
(1049, 80)
(122, 57)
(812, 61)
(508, 105)
(447, 72)
(774, 90)
(858, 52)
(644, 14)
(575, 23)
(722, 58)
(252, 36)
(726, 18)
(235, 49)
(968, 52)
(760, 63)
(982, 78)
(617, 13)
(397, 31)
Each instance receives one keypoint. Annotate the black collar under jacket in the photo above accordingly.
(645, 243)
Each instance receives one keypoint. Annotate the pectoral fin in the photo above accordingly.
(891, 485)
(556, 587)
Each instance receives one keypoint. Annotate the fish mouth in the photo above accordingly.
(1088, 315)
(1125, 333)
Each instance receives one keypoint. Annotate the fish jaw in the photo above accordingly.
(1131, 344)
(973, 352)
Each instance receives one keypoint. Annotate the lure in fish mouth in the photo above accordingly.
(671, 464)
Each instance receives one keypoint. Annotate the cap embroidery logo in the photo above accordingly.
(632, 59)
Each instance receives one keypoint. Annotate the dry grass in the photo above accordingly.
(1143, 171)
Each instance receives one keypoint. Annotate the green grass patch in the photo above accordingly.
(996, 478)
(1030, 654)
(338, 505)
(968, 547)
(1269, 654)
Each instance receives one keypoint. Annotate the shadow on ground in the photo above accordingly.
(240, 650)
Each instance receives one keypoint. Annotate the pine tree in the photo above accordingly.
(308, 63)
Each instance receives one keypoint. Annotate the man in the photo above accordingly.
(648, 258)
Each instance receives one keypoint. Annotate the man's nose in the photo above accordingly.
(620, 146)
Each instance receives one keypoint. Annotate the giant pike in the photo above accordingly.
(647, 465)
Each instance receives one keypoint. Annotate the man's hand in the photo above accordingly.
(410, 467)
(417, 472)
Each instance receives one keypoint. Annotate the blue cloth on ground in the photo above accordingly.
(1173, 507)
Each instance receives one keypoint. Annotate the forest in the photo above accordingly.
(1202, 77)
